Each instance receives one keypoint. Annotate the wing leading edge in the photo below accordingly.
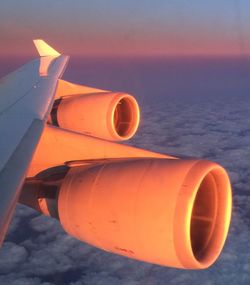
(26, 99)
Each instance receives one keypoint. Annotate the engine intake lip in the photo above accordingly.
(125, 116)
(205, 216)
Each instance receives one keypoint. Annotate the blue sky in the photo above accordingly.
(127, 27)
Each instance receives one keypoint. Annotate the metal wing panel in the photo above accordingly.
(34, 102)
(13, 174)
(26, 98)
(20, 80)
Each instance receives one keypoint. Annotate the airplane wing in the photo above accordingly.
(125, 200)
(26, 99)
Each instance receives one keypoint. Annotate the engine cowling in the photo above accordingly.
(168, 212)
(108, 115)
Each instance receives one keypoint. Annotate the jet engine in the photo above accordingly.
(170, 212)
(103, 114)
(133, 202)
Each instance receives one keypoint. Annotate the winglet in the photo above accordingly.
(44, 49)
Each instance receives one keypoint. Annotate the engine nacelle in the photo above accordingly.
(168, 212)
(108, 115)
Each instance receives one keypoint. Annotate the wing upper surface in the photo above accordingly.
(26, 98)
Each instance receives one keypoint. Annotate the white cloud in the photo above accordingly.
(37, 249)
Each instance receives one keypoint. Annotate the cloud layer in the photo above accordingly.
(38, 251)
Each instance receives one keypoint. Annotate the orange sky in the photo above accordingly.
(126, 27)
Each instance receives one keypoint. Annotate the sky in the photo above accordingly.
(127, 27)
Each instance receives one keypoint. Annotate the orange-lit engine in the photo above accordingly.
(108, 115)
(137, 203)
(170, 212)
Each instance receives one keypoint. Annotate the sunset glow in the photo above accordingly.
(125, 28)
